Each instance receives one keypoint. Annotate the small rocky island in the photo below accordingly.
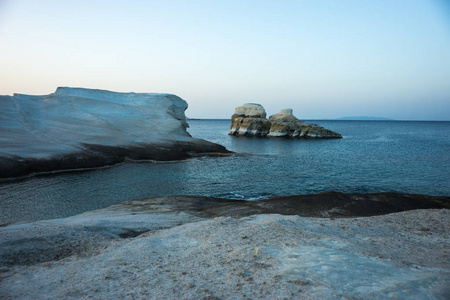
(250, 120)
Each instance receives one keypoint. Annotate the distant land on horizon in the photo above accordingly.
(364, 118)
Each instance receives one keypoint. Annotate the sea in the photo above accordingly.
(372, 157)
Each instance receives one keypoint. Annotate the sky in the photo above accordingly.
(324, 59)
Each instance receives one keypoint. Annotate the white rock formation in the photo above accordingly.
(79, 128)
(250, 120)
(287, 112)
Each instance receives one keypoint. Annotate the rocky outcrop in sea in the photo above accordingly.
(250, 120)
(83, 128)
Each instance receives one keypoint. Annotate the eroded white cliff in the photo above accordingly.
(77, 128)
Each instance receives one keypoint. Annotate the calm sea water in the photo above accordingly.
(373, 156)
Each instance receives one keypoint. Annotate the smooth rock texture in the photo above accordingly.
(250, 120)
(250, 110)
(82, 128)
(188, 247)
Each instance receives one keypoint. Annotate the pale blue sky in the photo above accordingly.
(324, 59)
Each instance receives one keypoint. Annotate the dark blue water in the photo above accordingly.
(373, 156)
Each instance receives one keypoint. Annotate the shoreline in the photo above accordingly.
(99, 156)
(319, 205)
(191, 155)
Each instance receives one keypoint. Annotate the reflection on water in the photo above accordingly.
(409, 157)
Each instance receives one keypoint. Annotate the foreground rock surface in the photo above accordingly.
(198, 247)
(250, 120)
(82, 128)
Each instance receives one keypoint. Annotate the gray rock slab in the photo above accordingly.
(264, 256)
